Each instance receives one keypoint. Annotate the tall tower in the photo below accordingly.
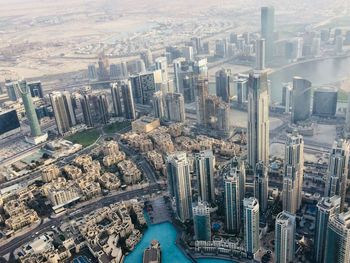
(174, 107)
(260, 54)
(293, 172)
(63, 111)
(222, 78)
(102, 108)
(162, 64)
(201, 221)
(128, 100)
(234, 194)
(338, 239)
(23, 89)
(202, 94)
(158, 105)
(261, 185)
(179, 182)
(116, 99)
(326, 208)
(205, 162)
(337, 172)
(86, 109)
(301, 99)
(267, 29)
(258, 119)
(284, 237)
(251, 225)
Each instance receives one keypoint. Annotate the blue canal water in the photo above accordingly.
(165, 233)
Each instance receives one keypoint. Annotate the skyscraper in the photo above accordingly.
(337, 171)
(61, 103)
(92, 72)
(162, 64)
(293, 172)
(261, 184)
(287, 94)
(347, 119)
(128, 100)
(241, 89)
(147, 58)
(116, 100)
(23, 89)
(301, 99)
(177, 63)
(284, 237)
(13, 93)
(234, 194)
(260, 54)
(338, 239)
(201, 221)
(251, 225)
(326, 208)
(101, 108)
(223, 84)
(158, 105)
(36, 90)
(179, 183)
(258, 119)
(85, 106)
(174, 107)
(204, 164)
(267, 29)
(144, 85)
(202, 94)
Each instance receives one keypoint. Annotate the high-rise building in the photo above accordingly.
(261, 185)
(24, 91)
(147, 58)
(202, 94)
(144, 85)
(287, 94)
(241, 83)
(179, 183)
(124, 69)
(204, 164)
(347, 117)
(85, 107)
(326, 208)
(201, 221)
(338, 239)
(103, 66)
(285, 237)
(116, 100)
(102, 108)
(223, 84)
(158, 105)
(339, 40)
(325, 102)
(187, 52)
(92, 72)
(36, 90)
(251, 225)
(174, 107)
(63, 110)
(128, 100)
(177, 64)
(197, 44)
(115, 71)
(258, 119)
(12, 91)
(337, 171)
(267, 29)
(162, 64)
(234, 189)
(260, 54)
(301, 99)
(293, 172)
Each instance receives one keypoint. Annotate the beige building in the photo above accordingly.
(145, 124)
(50, 173)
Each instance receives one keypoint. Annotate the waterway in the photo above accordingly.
(166, 234)
(319, 72)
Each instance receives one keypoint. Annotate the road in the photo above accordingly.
(90, 206)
